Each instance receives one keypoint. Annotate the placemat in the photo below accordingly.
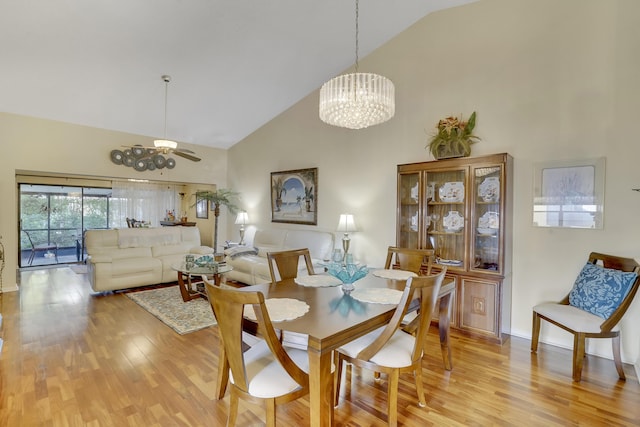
(377, 295)
(317, 281)
(394, 274)
(280, 309)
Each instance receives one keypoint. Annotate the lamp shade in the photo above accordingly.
(346, 223)
(242, 218)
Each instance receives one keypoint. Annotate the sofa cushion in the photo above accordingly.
(134, 265)
(163, 250)
(136, 237)
(600, 290)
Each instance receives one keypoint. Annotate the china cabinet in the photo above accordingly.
(462, 208)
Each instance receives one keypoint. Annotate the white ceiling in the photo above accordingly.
(235, 64)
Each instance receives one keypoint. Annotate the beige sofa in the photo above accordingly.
(250, 262)
(131, 257)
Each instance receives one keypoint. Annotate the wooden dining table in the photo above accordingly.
(334, 319)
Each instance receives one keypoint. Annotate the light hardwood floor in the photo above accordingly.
(72, 358)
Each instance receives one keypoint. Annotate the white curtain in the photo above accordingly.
(142, 201)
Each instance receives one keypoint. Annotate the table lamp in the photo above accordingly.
(242, 220)
(346, 224)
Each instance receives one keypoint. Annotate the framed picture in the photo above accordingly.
(201, 207)
(569, 194)
(294, 196)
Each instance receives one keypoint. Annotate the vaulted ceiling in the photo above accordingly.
(235, 64)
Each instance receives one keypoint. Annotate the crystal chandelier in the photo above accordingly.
(357, 100)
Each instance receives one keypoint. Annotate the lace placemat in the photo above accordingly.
(280, 309)
(318, 280)
(394, 274)
(377, 295)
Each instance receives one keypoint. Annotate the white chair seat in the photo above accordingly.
(572, 317)
(266, 377)
(396, 353)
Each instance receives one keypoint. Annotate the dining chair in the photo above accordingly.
(268, 372)
(418, 261)
(286, 263)
(392, 351)
(593, 308)
(43, 247)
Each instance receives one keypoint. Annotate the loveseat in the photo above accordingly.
(250, 265)
(131, 257)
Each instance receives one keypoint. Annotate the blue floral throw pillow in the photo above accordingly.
(600, 290)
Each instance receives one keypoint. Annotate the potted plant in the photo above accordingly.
(220, 197)
(453, 138)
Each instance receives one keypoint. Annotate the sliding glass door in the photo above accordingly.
(53, 219)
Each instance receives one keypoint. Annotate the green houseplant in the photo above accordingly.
(220, 197)
(453, 138)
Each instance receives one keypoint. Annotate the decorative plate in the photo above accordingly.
(490, 220)
(451, 192)
(453, 222)
(117, 157)
(414, 193)
(489, 190)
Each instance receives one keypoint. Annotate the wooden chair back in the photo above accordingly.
(423, 288)
(418, 261)
(285, 263)
(228, 306)
(565, 317)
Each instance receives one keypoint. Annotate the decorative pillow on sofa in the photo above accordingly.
(240, 250)
(600, 290)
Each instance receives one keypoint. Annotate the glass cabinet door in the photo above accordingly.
(487, 224)
(446, 215)
(409, 211)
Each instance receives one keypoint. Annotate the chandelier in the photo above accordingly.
(357, 100)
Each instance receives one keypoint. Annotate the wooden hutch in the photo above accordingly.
(463, 209)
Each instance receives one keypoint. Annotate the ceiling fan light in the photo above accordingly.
(165, 143)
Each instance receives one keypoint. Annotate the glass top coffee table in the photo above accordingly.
(189, 282)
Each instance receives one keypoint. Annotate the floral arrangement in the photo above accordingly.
(454, 137)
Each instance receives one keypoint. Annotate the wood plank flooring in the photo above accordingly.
(73, 358)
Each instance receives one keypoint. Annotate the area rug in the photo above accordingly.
(167, 305)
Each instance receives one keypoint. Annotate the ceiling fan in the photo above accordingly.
(149, 158)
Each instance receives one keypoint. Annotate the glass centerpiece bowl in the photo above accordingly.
(347, 274)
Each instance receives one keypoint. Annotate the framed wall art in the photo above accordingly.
(569, 194)
(201, 206)
(294, 196)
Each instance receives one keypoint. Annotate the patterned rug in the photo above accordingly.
(167, 305)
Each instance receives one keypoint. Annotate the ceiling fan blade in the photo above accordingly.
(184, 150)
(186, 156)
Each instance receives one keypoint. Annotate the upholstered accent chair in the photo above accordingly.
(600, 296)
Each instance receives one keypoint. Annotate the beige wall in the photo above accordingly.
(30, 144)
(550, 80)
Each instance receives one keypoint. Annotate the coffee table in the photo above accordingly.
(186, 280)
